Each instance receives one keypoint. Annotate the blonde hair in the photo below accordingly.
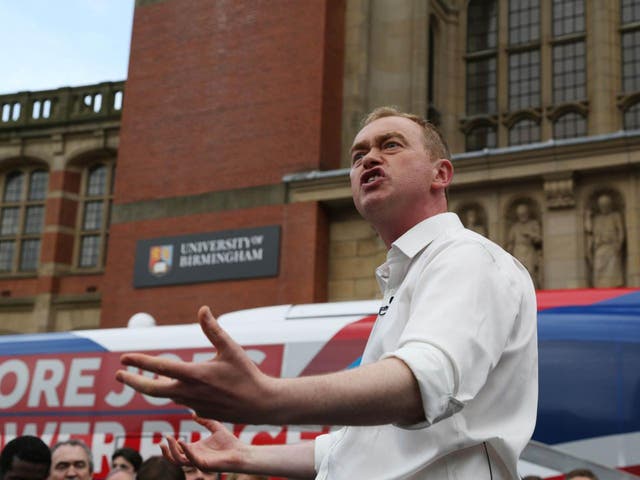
(434, 142)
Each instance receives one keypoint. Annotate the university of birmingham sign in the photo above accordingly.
(207, 257)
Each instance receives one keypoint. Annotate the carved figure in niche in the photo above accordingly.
(605, 238)
(473, 219)
(524, 241)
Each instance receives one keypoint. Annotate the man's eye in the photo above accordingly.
(357, 156)
(391, 144)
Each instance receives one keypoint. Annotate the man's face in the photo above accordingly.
(23, 470)
(391, 171)
(70, 462)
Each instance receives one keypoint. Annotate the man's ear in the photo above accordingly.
(443, 169)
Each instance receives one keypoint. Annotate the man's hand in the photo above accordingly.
(229, 387)
(223, 452)
(219, 452)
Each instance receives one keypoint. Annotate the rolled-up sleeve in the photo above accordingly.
(434, 373)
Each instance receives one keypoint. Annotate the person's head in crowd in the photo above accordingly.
(159, 468)
(121, 475)
(581, 474)
(246, 476)
(71, 460)
(25, 458)
(192, 473)
(127, 459)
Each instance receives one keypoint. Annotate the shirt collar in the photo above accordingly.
(422, 234)
(409, 244)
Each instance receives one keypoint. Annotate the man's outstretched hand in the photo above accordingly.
(223, 452)
(229, 387)
(219, 452)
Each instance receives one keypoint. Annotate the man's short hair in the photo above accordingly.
(581, 472)
(74, 442)
(159, 468)
(130, 455)
(28, 449)
(434, 142)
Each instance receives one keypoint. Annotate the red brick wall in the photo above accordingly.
(301, 278)
(222, 95)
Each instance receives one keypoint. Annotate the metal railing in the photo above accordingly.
(547, 456)
(102, 101)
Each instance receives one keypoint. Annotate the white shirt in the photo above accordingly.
(462, 315)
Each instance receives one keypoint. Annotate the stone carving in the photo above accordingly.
(524, 240)
(473, 218)
(605, 233)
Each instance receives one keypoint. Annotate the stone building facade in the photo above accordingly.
(236, 117)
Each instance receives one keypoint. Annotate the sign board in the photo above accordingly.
(207, 257)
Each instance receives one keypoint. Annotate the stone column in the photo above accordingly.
(563, 260)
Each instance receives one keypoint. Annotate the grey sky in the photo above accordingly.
(48, 44)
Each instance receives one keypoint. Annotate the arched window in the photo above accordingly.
(480, 137)
(95, 216)
(22, 219)
(570, 125)
(632, 117)
(525, 131)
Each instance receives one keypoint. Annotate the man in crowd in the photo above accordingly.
(581, 474)
(448, 381)
(25, 458)
(71, 460)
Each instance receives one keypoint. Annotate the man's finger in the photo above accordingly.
(166, 367)
(218, 337)
(173, 452)
(154, 387)
(211, 425)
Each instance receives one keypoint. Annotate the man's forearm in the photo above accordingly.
(291, 461)
(374, 394)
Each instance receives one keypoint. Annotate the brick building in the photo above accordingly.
(238, 116)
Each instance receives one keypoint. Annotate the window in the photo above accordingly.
(524, 80)
(524, 21)
(632, 117)
(524, 131)
(480, 137)
(95, 216)
(568, 17)
(570, 125)
(569, 73)
(482, 25)
(481, 86)
(22, 219)
(482, 39)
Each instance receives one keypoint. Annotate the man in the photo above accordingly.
(448, 384)
(119, 474)
(71, 460)
(581, 474)
(158, 468)
(25, 458)
(192, 473)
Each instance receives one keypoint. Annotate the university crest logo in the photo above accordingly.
(160, 259)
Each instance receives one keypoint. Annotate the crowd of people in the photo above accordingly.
(29, 458)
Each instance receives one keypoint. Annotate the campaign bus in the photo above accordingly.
(62, 385)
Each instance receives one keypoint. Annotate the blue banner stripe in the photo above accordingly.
(47, 343)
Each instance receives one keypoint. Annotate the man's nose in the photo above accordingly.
(372, 158)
